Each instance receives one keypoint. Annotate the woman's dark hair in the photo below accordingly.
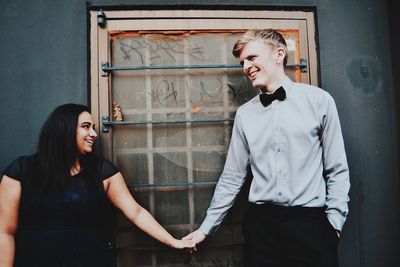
(57, 152)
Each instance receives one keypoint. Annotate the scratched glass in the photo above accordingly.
(169, 135)
(167, 90)
(240, 89)
(134, 49)
(131, 94)
(172, 207)
(202, 200)
(122, 135)
(134, 167)
(208, 164)
(206, 91)
(170, 167)
(210, 136)
(206, 48)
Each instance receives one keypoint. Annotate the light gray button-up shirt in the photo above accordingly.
(296, 153)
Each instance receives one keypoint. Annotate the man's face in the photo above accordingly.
(259, 63)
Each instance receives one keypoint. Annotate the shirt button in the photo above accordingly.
(280, 193)
(280, 171)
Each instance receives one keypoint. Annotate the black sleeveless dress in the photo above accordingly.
(64, 230)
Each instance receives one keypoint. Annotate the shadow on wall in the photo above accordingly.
(365, 74)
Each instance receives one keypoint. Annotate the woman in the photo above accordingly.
(57, 198)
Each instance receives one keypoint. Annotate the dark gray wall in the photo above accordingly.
(44, 48)
(44, 64)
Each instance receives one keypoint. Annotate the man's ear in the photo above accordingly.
(280, 54)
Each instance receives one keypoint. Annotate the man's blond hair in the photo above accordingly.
(270, 37)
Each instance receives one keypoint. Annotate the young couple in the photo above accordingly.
(52, 203)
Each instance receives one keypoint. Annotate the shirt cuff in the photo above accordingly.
(336, 219)
(207, 228)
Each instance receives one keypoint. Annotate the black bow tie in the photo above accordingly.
(267, 99)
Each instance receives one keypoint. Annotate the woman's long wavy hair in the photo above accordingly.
(58, 152)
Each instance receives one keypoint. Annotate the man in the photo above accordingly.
(290, 135)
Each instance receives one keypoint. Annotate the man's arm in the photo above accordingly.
(336, 171)
(228, 186)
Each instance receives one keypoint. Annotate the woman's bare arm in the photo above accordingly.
(10, 194)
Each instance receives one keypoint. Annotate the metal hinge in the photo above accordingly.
(105, 69)
(303, 65)
(105, 128)
(101, 18)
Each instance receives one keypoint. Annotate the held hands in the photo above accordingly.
(196, 237)
(189, 242)
(180, 244)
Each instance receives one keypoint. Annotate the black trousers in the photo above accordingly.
(288, 236)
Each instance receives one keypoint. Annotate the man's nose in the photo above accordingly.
(246, 66)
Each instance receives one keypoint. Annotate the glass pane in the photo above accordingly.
(124, 139)
(240, 89)
(202, 201)
(172, 207)
(209, 134)
(134, 167)
(168, 91)
(131, 93)
(208, 165)
(170, 167)
(169, 136)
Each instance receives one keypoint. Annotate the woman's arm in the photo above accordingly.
(10, 194)
(119, 195)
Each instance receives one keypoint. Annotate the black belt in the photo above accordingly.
(274, 208)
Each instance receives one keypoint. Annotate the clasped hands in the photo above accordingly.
(195, 238)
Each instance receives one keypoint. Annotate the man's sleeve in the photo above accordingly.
(231, 180)
(336, 171)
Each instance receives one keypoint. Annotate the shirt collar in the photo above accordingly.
(286, 84)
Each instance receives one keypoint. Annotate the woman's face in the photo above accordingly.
(85, 133)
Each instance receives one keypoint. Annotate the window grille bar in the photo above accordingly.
(170, 186)
(107, 123)
(106, 68)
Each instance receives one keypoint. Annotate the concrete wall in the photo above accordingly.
(44, 54)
